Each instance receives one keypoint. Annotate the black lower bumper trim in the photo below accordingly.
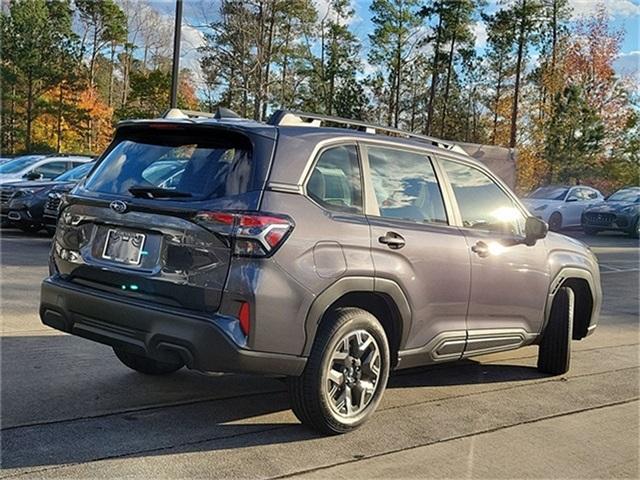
(159, 334)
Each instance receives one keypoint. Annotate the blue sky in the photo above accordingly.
(625, 14)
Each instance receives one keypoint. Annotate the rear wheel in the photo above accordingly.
(555, 222)
(145, 365)
(554, 354)
(635, 231)
(346, 373)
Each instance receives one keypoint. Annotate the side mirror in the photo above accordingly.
(534, 230)
(32, 175)
(572, 199)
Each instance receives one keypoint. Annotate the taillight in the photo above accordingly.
(252, 234)
(244, 317)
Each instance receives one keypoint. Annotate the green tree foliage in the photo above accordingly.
(574, 137)
(393, 40)
(37, 48)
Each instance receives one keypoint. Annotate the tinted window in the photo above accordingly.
(75, 174)
(18, 164)
(335, 182)
(52, 169)
(201, 169)
(405, 185)
(482, 203)
(625, 195)
(549, 193)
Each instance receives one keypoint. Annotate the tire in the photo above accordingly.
(590, 230)
(331, 383)
(555, 222)
(146, 365)
(554, 354)
(635, 231)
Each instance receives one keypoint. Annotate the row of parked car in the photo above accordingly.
(31, 187)
(563, 206)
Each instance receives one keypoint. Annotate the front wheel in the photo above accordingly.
(145, 365)
(345, 375)
(555, 222)
(554, 354)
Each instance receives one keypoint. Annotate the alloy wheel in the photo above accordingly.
(353, 373)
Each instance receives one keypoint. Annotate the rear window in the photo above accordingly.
(192, 168)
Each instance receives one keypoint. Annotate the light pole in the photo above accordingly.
(176, 55)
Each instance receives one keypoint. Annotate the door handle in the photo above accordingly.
(392, 240)
(481, 249)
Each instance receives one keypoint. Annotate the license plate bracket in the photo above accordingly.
(124, 247)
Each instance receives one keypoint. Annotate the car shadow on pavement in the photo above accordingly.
(66, 400)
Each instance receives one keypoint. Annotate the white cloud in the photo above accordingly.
(628, 65)
(614, 7)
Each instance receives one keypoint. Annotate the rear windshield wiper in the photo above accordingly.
(157, 192)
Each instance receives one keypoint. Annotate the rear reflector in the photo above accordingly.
(252, 235)
(244, 316)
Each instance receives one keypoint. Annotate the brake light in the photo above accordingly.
(244, 316)
(252, 235)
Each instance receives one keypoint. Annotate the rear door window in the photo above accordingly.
(52, 169)
(190, 166)
(405, 185)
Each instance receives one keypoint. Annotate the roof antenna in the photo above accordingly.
(222, 112)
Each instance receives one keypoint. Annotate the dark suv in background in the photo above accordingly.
(327, 255)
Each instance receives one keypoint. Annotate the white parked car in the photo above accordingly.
(38, 167)
(561, 206)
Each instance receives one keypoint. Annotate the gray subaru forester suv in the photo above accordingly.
(323, 250)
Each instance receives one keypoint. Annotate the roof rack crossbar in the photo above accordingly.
(290, 117)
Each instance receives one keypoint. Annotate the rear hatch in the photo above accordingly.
(132, 227)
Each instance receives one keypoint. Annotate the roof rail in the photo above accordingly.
(287, 117)
(220, 113)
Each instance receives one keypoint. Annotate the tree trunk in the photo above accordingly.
(27, 141)
(265, 102)
(434, 78)
(59, 119)
(514, 112)
(497, 105)
(113, 54)
(398, 71)
(445, 99)
(94, 53)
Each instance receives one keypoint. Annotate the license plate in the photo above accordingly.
(124, 247)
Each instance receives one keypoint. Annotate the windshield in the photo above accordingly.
(75, 174)
(18, 164)
(183, 163)
(625, 195)
(549, 193)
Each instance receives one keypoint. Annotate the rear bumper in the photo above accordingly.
(157, 333)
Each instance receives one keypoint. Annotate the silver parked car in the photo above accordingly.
(327, 255)
(561, 206)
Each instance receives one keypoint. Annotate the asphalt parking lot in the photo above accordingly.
(70, 409)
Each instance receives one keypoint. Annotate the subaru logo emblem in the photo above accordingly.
(118, 206)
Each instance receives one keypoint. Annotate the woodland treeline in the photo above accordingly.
(543, 82)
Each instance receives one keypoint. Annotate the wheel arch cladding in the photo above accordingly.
(389, 306)
(583, 307)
